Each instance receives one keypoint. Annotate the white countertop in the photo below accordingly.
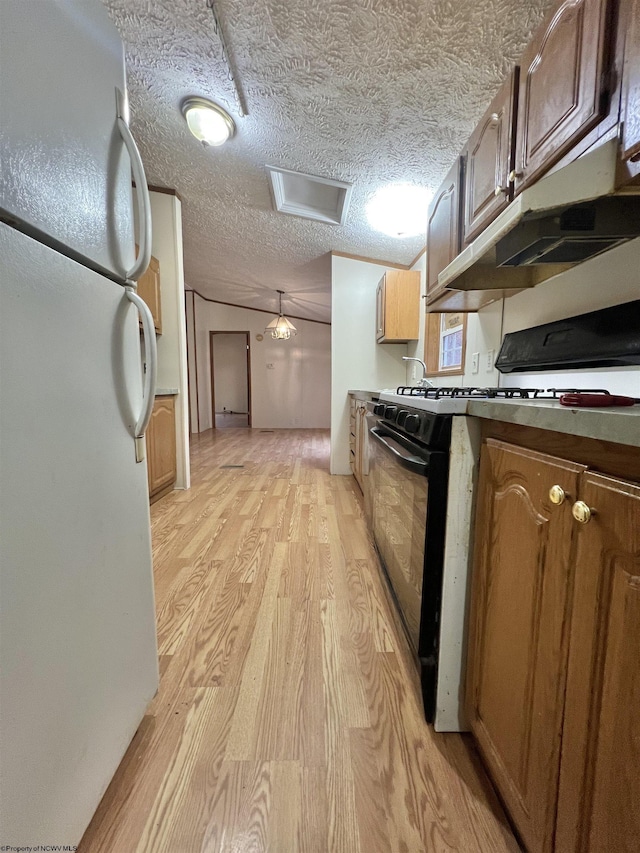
(166, 392)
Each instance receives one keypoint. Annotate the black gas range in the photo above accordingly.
(408, 407)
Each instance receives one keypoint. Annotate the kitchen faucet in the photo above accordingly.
(424, 382)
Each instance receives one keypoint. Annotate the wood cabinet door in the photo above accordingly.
(562, 85)
(161, 446)
(599, 798)
(361, 427)
(518, 638)
(490, 159)
(631, 81)
(380, 300)
(398, 307)
(149, 290)
(443, 226)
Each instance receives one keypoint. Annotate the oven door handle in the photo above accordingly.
(406, 459)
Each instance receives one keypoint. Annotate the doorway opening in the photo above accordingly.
(230, 357)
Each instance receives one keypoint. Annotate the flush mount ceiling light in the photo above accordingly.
(208, 122)
(399, 210)
(281, 329)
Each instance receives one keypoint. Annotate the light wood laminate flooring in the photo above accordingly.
(289, 716)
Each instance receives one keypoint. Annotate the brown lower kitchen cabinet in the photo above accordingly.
(553, 684)
(599, 796)
(357, 438)
(161, 448)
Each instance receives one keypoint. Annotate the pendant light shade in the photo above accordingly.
(280, 328)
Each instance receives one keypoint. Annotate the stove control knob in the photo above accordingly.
(412, 423)
(390, 412)
(402, 417)
(379, 408)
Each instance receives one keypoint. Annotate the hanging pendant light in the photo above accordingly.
(281, 329)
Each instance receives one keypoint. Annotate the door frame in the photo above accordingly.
(211, 370)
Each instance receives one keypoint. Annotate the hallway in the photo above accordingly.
(289, 717)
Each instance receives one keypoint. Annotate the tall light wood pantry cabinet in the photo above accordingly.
(398, 307)
(553, 687)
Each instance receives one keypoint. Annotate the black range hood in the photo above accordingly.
(572, 234)
(606, 338)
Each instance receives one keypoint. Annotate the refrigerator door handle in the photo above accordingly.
(151, 370)
(142, 191)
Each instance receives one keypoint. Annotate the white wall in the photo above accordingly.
(230, 373)
(191, 362)
(610, 279)
(357, 360)
(359, 363)
(483, 334)
(166, 246)
(294, 391)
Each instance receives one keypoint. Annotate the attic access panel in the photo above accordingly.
(309, 196)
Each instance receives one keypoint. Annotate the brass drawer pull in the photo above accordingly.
(581, 512)
(557, 495)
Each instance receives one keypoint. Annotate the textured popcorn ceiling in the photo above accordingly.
(365, 91)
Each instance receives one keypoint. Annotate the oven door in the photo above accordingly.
(409, 493)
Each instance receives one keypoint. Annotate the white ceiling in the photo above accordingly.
(364, 91)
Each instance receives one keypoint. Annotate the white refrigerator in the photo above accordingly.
(78, 656)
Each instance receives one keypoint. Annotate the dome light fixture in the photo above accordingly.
(208, 122)
(281, 329)
(400, 210)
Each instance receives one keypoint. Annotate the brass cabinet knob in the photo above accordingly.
(513, 175)
(498, 190)
(557, 495)
(581, 512)
(495, 118)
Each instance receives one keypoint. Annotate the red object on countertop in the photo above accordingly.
(587, 400)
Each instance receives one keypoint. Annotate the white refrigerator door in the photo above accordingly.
(78, 657)
(66, 176)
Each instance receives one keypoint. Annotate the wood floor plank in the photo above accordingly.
(240, 745)
(289, 713)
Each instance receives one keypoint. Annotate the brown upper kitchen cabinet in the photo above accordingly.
(564, 85)
(398, 307)
(443, 228)
(161, 448)
(490, 160)
(631, 82)
(149, 290)
(518, 643)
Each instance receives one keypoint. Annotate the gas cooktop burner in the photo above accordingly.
(493, 393)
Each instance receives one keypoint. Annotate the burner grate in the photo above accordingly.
(494, 393)
(454, 392)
